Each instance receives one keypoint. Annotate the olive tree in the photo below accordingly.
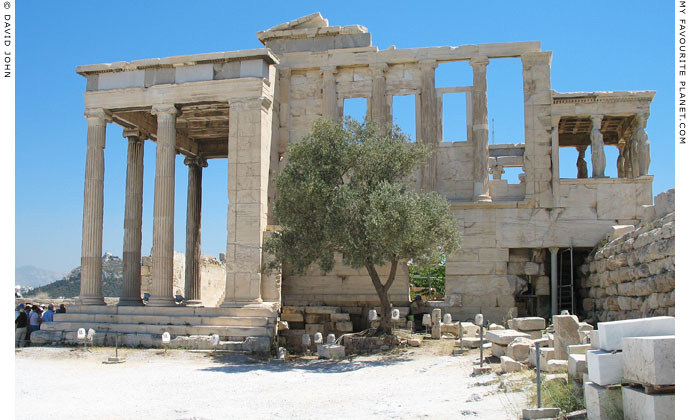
(346, 189)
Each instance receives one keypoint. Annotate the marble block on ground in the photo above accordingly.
(518, 349)
(604, 368)
(545, 354)
(540, 413)
(556, 366)
(640, 406)
(469, 329)
(578, 348)
(594, 339)
(498, 350)
(611, 334)
(649, 360)
(577, 365)
(603, 403)
(509, 365)
(468, 342)
(504, 337)
(331, 351)
(529, 323)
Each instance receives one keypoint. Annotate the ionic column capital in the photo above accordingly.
(133, 134)
(98, 114)
(196, 161)
(479, 63)
(165, 109)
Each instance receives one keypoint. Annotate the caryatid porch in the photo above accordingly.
(204, 107)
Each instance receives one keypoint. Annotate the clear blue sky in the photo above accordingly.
(597, 45)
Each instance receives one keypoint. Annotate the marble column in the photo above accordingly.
(192, 285)
(429, 122)
(90, 287)
(554, 281)
(163, 208)
(597, 139)
(642, 143)
(249, 140)
(330, 99)
(480, 130)
(380, 113)
(131, 252)
(581, 162)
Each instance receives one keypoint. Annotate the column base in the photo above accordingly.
(91, 300)
(482, 198)
(193, 303)
(130, 301)
(161, 301)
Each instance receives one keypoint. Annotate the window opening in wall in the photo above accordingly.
(355, 108)
(454, 117)
(504, 96)
(512, 175)
(455, 73)
(404, 115)
(428, 281)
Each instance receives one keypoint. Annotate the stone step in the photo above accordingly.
(230, 321)
(174, 330)
(267, 310)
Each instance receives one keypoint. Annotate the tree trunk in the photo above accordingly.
(382, 291)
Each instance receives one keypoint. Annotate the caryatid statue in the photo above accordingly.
(642, 144)
(581, 162)
(620, 162)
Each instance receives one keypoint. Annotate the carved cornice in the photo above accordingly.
(250, 103)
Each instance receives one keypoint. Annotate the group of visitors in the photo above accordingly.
(28, 318)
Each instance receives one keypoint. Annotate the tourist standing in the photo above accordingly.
(61, 309)
(34, 321)
(48, 315)
(20, 324)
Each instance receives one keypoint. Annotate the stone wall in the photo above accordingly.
(632, 275)
(212, 278)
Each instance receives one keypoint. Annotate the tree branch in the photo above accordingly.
(391, 275)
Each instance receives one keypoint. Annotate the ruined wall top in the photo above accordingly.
(312, 33)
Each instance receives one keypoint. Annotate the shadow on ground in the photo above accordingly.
(229, 363)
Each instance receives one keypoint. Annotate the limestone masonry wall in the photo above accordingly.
(633, 275)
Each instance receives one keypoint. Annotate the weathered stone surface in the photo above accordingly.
(540, 413)
(498, 350)
(649, 360)
(414, 342)
(529, 323)
(554, 365)
(504, 337)
(45, 337)
(330, 351)
(469, 329)
(603, 403)
(518, 349)
(577, 365)
(578, 348)
(508, 365)
(640, 406)
(611, 334)
(604, 368)
(566, 333)
(545, 354)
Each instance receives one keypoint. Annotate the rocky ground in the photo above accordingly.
(424, 382)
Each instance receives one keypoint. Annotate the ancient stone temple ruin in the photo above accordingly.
(520, 241)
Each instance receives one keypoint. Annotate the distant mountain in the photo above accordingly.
(31, 276)
(68, 287)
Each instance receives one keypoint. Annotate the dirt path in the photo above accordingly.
(417, 383)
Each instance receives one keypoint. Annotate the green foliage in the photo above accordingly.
(427, 280)
(567, 397)
(342, 191)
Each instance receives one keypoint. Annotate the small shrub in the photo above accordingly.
(567, 397)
